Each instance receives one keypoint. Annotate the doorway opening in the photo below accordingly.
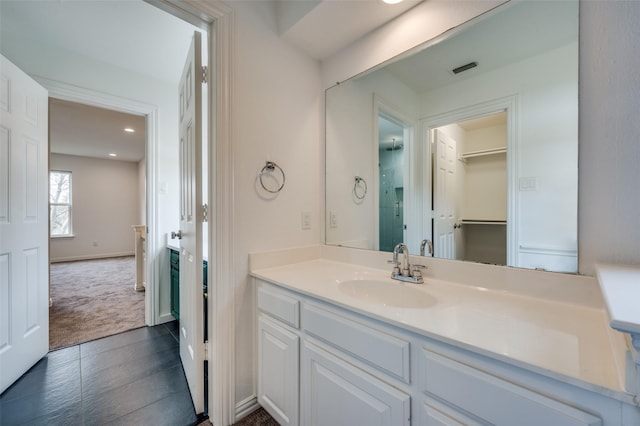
(391, 140)
(470, 189)
(97, 196)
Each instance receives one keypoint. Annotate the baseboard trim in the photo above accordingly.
(91, 257)
(246, 407)
(165, 318)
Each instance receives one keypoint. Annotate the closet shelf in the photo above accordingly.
(483, 153)
(482, 222)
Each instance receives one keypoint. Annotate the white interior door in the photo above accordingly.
(191, 218)
(24, 223)
(445, 193)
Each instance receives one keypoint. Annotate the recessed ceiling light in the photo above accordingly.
(129, 130)
(391, 1)
(113, 154)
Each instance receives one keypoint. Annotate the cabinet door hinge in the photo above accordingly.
(205, 74)
(205, 213)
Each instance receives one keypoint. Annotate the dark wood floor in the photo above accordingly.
(133, 378)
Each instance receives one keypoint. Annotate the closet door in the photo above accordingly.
(444, 187)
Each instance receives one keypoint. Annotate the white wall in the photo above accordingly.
(105, 205)
(485, 178)
(609, 172)
(609, 100)
(276, 115)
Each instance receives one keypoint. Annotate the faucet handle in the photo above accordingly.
(396, 267)
(416, 270)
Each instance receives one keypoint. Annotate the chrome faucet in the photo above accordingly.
(402, 269)
(428, 244)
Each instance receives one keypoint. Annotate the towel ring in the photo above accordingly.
(269, 167)
(361, 185)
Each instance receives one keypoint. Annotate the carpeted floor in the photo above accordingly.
(93, 299)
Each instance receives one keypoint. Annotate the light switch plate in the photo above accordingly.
(333, 219)
(306, 220)
(528, 183)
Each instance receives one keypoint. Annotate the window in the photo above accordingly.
(60, 204)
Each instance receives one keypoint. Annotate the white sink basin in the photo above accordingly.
(387, 293)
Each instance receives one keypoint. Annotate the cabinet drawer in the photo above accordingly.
(279, 305)
(492, 399)
(436, 414)
(388, 353)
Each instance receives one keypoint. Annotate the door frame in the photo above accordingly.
(510, 105)
(219, 19)
(392, 112)
(68, 92)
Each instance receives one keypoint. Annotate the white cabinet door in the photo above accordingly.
(336, 393)
(278, 371)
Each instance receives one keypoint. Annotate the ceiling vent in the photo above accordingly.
(464, 67)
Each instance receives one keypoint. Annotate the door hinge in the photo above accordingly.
(205, 73)
(206, 351)
(205, 213)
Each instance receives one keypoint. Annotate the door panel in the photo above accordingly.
(24, 234)
(191, 217)
(445, 192)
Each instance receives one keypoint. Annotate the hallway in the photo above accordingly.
(130, 378)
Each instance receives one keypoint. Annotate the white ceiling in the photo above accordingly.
(323, 27)
(520, 30)
(128, 34)
(138, 37)
(87, 131)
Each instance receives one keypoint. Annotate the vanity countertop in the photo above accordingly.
(568, 342)
(173, 244)
(621, 290)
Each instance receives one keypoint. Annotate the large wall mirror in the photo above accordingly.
(469, 143)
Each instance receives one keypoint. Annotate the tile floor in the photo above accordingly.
(133, 378)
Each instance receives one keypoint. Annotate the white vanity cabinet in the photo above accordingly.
(341, 376)
(321, 364)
